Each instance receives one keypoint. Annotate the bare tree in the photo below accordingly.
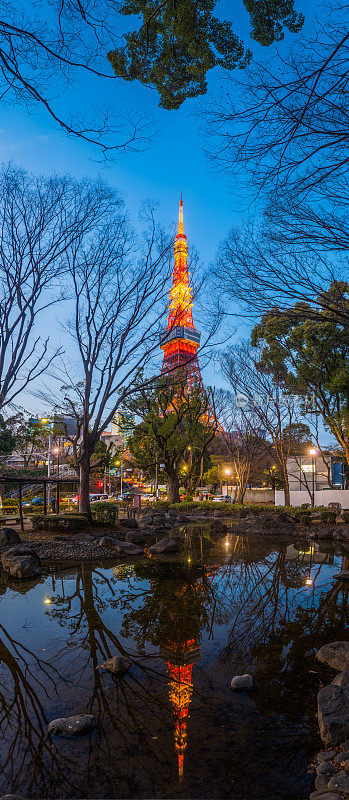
(244, 447)
(45, 46)
(119, 286)
(254, 274)
(290, 131)
(290, 127)
(270, 414)
(39, 220)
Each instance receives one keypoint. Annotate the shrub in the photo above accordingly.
(345, 516)
(302, 512)
(328, 516)
(303, 515)
(104, 512)
(60, 522)
(161, 505)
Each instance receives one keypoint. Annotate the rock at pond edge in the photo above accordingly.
(117, 665)
(240, 682)
(77, 725)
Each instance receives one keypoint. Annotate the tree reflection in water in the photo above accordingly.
(158, 613)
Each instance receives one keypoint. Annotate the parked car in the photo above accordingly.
(73, 499)
(36, 501)
(221, 498)
(126, 497)
(148, 497)
(96, 498)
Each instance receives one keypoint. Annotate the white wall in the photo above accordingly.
(252, 495)
(321, 498)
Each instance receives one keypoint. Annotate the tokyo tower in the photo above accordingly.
(180, 340)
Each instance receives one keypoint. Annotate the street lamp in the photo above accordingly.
(228, 473)
(57, 451)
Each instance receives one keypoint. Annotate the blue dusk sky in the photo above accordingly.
(174, 161)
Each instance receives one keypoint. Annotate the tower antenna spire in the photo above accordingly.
(180, 223)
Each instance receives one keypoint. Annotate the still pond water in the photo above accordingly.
(172, 727)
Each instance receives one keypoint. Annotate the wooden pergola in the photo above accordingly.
(57, 482)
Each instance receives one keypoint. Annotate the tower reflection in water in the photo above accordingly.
(182, 596)
(171, 617)
(181, 659)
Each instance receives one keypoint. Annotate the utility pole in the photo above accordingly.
(49, 469)
(313, 454)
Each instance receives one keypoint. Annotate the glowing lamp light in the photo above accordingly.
(227, 543)
(312, 451)
(48, 601)
(44, 419)
(309, 582)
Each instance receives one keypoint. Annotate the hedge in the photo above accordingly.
(303, 513)
(225, 509)
(105, 512)
(60, 522)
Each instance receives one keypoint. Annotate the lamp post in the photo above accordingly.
(119, 464)
(228, 473)
(313, 453)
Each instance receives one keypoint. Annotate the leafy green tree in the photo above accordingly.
(7, 440)
(308, 350)
(180, 40)
(28, 440)
(177, 427)
(268, 19)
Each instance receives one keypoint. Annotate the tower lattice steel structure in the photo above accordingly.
(180, 340)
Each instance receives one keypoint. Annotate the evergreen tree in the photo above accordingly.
(180, 40)
(7, 441)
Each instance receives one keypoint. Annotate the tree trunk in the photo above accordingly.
(287, 490)
(173, 490)
(84, 489)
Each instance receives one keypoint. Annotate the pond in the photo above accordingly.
(172, 726)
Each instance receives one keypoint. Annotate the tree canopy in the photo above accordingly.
(7, 440)
(177, 427)
(179, 41)
(310, 355)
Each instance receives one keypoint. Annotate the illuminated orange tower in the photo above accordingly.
(180, 669)
(180, 340)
